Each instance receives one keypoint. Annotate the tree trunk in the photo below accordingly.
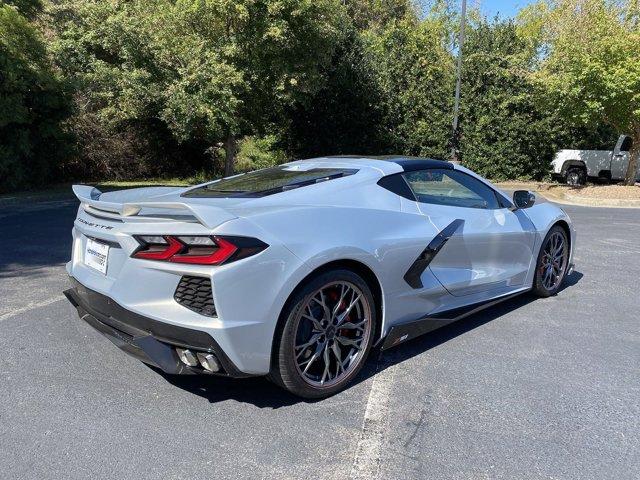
(634, 154)
(230, 150)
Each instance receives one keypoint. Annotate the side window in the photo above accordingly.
(451, 187)
(626, 144)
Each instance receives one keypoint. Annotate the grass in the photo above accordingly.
(62, 191)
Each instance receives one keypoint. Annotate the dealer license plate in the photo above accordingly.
(96, 255)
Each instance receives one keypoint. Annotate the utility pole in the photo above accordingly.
(455, 138)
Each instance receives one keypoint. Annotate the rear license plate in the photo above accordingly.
(96, 255)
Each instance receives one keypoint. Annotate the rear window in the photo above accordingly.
(268, 181)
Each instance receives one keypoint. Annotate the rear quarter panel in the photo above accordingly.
(385, 239)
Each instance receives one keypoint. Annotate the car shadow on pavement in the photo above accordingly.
(442, 335)
(257, 391)
(262, 393)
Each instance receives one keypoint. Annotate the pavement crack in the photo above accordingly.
(417, 426)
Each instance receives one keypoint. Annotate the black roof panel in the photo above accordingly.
(408, 163)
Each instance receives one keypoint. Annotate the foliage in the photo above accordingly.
(32, 103)
(346, 115)
(27, 8)
(508, 132)
(259, 152)
(210, 70)
(173, 87)
(371, 14)
(592, 63)
(415, 73)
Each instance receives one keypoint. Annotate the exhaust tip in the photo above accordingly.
(209, 362)
(187, 357)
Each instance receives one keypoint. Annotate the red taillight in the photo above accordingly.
(157, 252)
(196, 249)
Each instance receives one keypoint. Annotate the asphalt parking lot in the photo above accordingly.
(544, 388)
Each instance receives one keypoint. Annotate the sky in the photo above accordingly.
(503, 7)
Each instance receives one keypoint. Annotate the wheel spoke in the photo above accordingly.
(312, 340)
(336, 351)
(351, 342)
(558, 250)
(313, 357)
(345, 314)
(316, 323)
(321, 302)
(327, 361)
(343, 292)
(353, 326)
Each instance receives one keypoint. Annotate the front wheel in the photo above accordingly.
(553, 260)
(327, 332)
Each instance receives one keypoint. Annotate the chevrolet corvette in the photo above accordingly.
(296, 272)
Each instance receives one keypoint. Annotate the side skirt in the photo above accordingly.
(410, 330)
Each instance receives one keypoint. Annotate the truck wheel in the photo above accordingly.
(576, 176)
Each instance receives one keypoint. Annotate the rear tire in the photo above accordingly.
(552, 263)
(576, 177)
(313, 356)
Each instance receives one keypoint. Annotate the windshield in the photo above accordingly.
(268, 181)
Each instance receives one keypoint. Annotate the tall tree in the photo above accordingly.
(592, 64)
(508, 131)
(346, 115)
(211, 70)
(415, 71)
(33, 103)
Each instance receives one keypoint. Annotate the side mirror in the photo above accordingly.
(523, 199)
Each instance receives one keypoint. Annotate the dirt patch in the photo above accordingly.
(589, 195)
(622, 192)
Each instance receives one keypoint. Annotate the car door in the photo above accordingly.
(487, 247)
(620, 158)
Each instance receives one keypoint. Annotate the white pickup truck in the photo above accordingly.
(574, 166)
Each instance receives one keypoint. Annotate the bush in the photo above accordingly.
(33, 105)
(507, 131)
(415, 73)
(346, 116)
(259, 152)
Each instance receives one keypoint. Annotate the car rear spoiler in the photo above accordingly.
(207, 215)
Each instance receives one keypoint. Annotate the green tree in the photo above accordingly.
(415, 72)
(346, 116)
(371, 14)
(592, 64)
(508, 130)
(209, 70)
(32, 102)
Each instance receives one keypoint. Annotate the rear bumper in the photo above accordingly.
(148, 340)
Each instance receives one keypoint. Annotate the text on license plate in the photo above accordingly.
(96, 255)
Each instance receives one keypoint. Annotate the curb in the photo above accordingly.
(568, 199)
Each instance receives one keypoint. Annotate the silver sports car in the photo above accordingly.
(298, 271)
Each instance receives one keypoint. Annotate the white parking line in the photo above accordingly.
(31, 306)
(366, 463)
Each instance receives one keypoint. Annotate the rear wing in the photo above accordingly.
(207, 215)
